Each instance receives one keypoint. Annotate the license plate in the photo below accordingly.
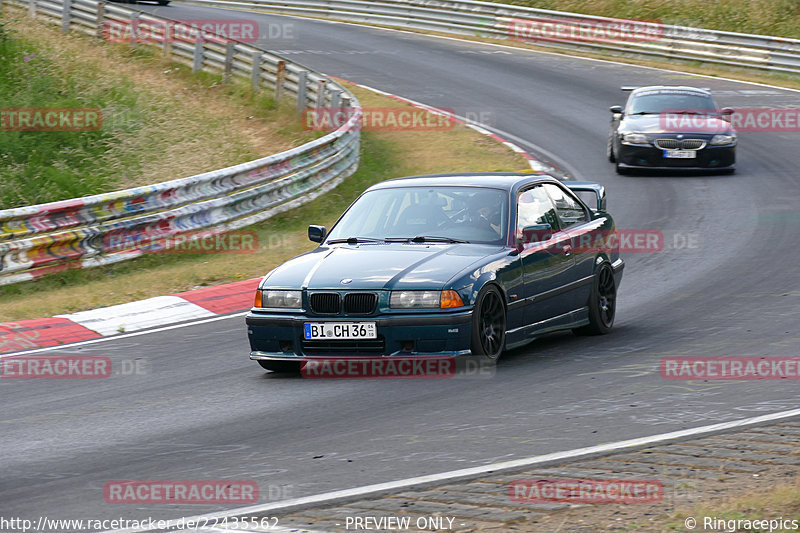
(680, 154)
(340, 330)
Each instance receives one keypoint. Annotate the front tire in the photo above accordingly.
(602, 303)
(610, 150)
(489, 325)
(280, 366)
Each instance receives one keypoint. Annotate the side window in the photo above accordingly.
(535, 207)
(569, 210)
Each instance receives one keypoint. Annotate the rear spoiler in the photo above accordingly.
(633, 88)
(589, 186)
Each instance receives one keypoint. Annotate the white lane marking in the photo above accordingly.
(123, 336)
(141, 314)
(369, 490)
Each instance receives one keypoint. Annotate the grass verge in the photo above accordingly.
(738, 512)
(159, 121)
(766, 17)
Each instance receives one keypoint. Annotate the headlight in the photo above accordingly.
(281, 299)
(635, 138)
(425, 300)
(723, 139)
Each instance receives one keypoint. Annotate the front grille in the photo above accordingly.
(350, 347)
(325, 303)
(677, 144)
(360, 303)
(692, 144)
(668, 144)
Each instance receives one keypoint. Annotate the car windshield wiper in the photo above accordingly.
(646, 113)
(426, 238)
(354, 240)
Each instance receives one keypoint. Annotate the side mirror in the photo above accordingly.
(602, 203)
(533, 234)
(726, 113)
(616, 109)
(317, 233)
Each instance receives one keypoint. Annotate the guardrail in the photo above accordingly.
(546, 28)
(111, 227)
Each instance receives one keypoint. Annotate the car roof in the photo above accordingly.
(500, 180)
(669, 88)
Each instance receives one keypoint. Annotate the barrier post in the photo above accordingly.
(65, 12)
(255, 74)
(230, 48)
(280, 75)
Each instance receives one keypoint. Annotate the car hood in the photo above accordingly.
(675, 124)
(378, 266)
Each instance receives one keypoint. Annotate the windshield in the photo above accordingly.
(658, 102)
(471, 214)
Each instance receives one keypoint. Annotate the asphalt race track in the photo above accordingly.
(201, 410)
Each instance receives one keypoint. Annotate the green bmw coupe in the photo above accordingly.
(443, 265)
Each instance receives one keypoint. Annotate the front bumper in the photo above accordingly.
(279, 337)
(651, 157)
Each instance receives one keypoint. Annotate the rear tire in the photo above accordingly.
(488, 325)
(280, 366)
(602, 303)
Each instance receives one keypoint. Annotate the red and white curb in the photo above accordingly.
(125, 318)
